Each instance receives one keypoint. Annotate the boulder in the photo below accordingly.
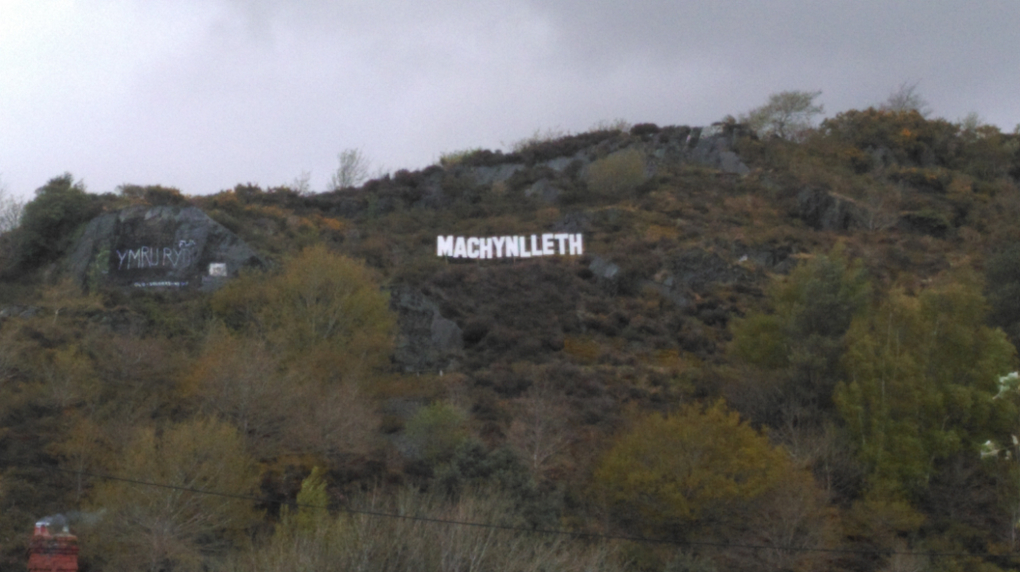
(165, 247)
(822, 210)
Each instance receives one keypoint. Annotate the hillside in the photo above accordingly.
(772, 354)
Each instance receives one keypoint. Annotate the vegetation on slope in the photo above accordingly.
(790, 369)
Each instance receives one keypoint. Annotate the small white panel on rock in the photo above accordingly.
(218, 269)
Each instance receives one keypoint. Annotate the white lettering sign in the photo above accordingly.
(155, 257)
(484, 248)
(162, 284)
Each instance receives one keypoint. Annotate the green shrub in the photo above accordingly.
(154, 195)
(451, 158)
(1002, 275)
(618, 174)
(50, 220)
(436, 431)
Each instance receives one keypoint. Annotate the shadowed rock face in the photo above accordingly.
(427, 340)
(159, 248)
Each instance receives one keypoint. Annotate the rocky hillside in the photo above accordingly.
(771, 354)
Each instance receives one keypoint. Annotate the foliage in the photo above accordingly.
(49, 220)
(787, 115)
(1002, 276)
(906, 135)
(435, 432)
(696, 466)
(323, 315)
(451, 158)
(538, 138)
(618, 174)
(156, 528)
(800, 341)
(311, 505)
(922, 375)
(153, 195)
(305, 343)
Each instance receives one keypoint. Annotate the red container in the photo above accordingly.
(52, 552)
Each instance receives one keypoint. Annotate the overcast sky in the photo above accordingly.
(205, 94)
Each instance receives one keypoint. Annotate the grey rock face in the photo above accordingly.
(603, 268)
(824, 211)
(159, 248)
(497, 174)
(712, 147)
(24, 312)
(426, 341)
(544, 190)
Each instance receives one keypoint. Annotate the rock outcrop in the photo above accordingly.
(163, 247)
(822, 210)
(427, 341)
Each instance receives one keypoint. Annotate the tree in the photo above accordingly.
(168, 526)
(238, 380)
(541, 429)
(906, 98)
(311, 505)
(302, 184)
(323, 316)
(922, 375)
(1002, 275)
(11, 210)
(352, 170)
(698, 466)
(907, 135)
(289, 369)
(49, 220)
(798, 342)
(435, 432)
(787, 115)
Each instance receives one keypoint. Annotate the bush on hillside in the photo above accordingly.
(50, 220)
(153, 195)
(617, 175)
(906, 135)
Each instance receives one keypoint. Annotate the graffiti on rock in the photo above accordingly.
(182, 256)
(161, 284)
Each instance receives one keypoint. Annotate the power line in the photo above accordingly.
(551, 532)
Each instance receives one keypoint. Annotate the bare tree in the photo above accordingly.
(788, 114)
(352, 171)
(302, 183)
(906, 98)
(541, 431)
(10, 210)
